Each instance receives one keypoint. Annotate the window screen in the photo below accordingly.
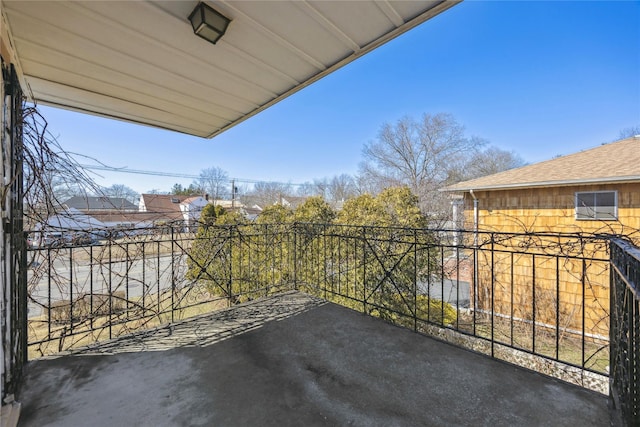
(597, 205)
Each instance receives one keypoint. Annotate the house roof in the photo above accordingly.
(99, 203)
(608, 163)
(164, 203)
(191, 199)
(71, 220)
(140, 61)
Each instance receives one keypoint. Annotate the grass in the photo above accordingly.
(519, 334)
(63, 336)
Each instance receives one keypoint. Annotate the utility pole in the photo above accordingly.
(233, 194)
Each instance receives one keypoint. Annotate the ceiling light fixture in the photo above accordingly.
(208, 23)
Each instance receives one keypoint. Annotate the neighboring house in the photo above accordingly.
(227, 204)
(161, 203)
(250, 213)
(291, 202)
(91, 204)
(596, 190)
(191, 209)
(165, 207)
(592, 191)
(126, 220)
(168, 208)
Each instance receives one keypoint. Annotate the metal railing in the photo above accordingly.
(625, 333)
(538, 300)
(12, 251)
(535, 299)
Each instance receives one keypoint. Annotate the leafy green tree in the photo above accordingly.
(393, 207)
(275, 214)
(312, 221)
(210, 255)
(401, 208)
(211, 213)
(191, 190)
(242, 261)
(388, 252)
(362, 210)
(314, 210)
(371, 258)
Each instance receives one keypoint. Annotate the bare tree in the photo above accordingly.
(341, 188)
(338, 188)
(121, 191)
(364, 185)
(307, 189)
(214, 181)
(321, 187)
(419, 154)
(63, 189)
(487, 162)
(629, 132)
(266, 194)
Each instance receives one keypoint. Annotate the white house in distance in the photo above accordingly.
(191, 209)
(170, 208)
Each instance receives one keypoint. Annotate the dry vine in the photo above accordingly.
(69, 306)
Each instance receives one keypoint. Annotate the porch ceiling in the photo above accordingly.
(140, 60)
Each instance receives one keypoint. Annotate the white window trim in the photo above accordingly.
(615, 207)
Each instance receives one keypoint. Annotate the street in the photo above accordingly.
(150, 275)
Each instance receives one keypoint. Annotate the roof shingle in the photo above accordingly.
(614, 162)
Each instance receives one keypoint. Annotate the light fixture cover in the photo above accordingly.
(208, 23)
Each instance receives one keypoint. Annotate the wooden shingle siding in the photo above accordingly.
(550, 210)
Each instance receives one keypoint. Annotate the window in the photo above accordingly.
(601, 205)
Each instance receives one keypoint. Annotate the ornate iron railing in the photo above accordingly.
(625, 333)
(539, 300)
(12, 248)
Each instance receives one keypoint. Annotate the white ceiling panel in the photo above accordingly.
(140, 61)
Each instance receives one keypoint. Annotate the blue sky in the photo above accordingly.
(539, 78)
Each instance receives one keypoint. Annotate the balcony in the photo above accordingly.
(293, 359)
(263, 325)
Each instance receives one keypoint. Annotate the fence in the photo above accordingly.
(538, 300)
(625, 333)
(514, 294)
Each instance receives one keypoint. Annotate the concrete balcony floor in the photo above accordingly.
(292, 359)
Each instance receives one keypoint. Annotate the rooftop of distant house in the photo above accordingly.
(100, 203)
(162, 202)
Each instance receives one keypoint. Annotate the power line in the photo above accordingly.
(139, 172)
(176, 175)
